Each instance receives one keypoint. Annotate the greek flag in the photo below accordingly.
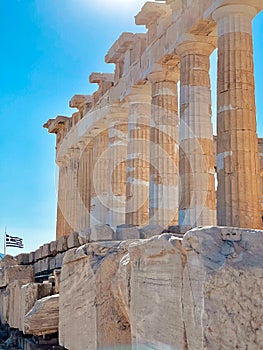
(11, 241)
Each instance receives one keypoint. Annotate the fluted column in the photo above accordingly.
(164, 147)
(138, 159)
(197, 205)
(85, 182)
(99, 196)
(118, 139)
(62, 227)
(72, 189)
(237, 154)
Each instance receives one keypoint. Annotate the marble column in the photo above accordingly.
(99, 195)
(164, 147)
(62, 227)
(138, 159)
(85, 182)
(72, 196)
(197, 206)
(118, 139)
(238, 194)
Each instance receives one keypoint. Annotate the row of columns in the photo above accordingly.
(155, 169)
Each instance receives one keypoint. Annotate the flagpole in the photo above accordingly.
(5, 242)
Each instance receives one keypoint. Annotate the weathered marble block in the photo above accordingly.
(38, 253)
(14, 304)
(46, 250)
(7, 261)
(53, 248)
(42, 319)
(150, 231)
(202, 292)
(127, 231)
(62, 244)
(101, 233)
(96, 321)
(73, 240)
(21, 273)
(22, 259)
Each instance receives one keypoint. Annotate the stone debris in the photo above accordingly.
(21, 273)
(87, 274)
(42, 319)
(101, 233)
(73, 240)
(84, 236)
(150, 231)
(127, 231)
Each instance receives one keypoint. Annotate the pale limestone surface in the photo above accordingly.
(21, 298)
(23, 273)
(156, 288)
(126, 231)
(150, 231)
(14, 303)
(29, 294)
(8, 260)
(101, 233)
(42, 319)
(213, 290)
(96, 319)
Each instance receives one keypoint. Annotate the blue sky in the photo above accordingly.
(48, 50)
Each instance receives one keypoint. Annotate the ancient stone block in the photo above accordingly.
(87, 273)
(57, 274)
(52, 263)
(31, 258)
(205, 277)
(44, 289)
(42, 319)
(120, 286)
(45, 264)
(22, 259)
(24, 274)
(29, 295)
(14, 304)
(7, 261)
(84, 236)
(62, 245)
(179, 230)
(73, 240)
(46, 250)
(58, 260)
(38, 254)
(4, 305)
(53, 248)
(159, 270)
(37, 267)
(150, 231)
(101, 233)
(127, 231)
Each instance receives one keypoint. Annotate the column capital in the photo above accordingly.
(196, 44)
(165, 73)
(228, 18)
(256, 4)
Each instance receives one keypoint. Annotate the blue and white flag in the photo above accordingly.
(11, 241)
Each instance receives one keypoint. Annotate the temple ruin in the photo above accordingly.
(133, 155)
(159, 222)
